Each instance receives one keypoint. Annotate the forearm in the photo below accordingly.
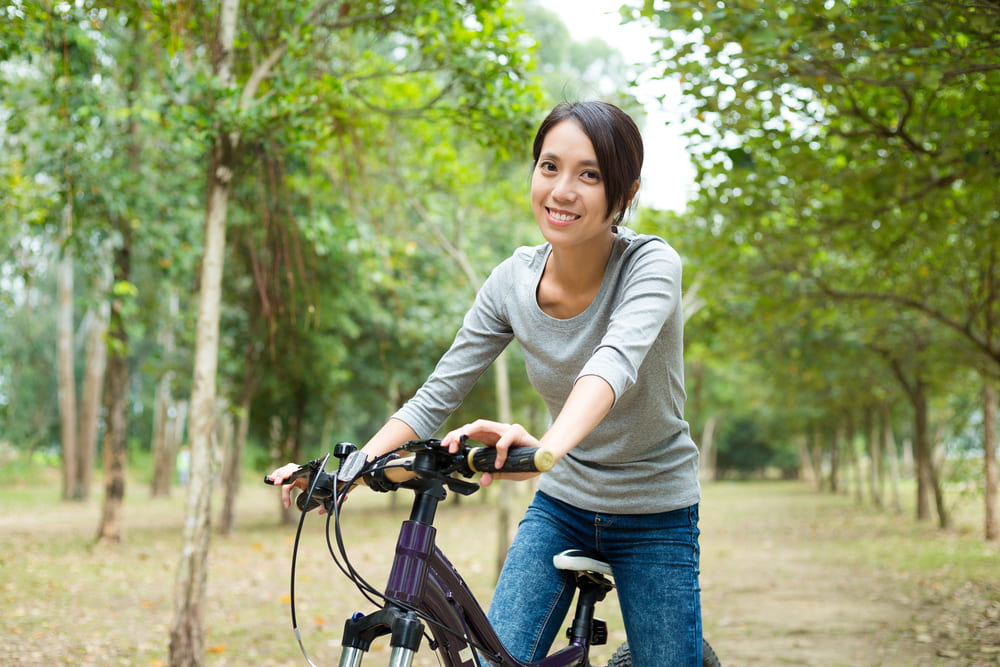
(394, 433)
(587, 404)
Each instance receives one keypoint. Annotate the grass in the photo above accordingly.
(66, 600)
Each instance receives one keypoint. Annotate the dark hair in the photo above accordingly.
(617, 143)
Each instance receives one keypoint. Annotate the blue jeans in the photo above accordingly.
(654, 558)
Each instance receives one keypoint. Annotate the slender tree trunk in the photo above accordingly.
(874, 458)
(163, 470)
(164, 448)
(187, 635)
(91, 396)
(817, 454)
(281, 442)
(855, 458)
(708, 450)
(834, 461)
(187, 640)
(889, 448)
(116, 382)
(67, 377)
(807, 468)
(927, 474)
(944, 516)
(922, 456)
(232, 463)
(115, 403)
(992, 532)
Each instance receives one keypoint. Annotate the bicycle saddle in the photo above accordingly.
(575, 560)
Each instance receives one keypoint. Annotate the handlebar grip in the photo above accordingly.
(520, 458)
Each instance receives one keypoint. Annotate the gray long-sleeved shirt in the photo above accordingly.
(641, 458)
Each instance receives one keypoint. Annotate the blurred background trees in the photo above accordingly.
(840, 246)
(271, 216)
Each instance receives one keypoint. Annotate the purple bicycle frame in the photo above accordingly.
(422, 577)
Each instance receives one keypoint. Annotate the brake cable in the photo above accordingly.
(295, 553)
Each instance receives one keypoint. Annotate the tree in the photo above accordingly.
(847, 147)
(460, 72)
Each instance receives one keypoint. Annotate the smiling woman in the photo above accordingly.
(596, 310)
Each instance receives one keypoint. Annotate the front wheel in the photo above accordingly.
(623, 657)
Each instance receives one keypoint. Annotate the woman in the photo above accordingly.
(597, 312)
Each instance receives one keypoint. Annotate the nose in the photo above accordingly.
(563, 190)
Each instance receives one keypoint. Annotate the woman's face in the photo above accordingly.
(567, 190)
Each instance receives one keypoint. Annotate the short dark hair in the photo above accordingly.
(617, 143)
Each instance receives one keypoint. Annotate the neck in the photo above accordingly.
(580, 265)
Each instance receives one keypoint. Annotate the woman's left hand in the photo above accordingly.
(493, 434)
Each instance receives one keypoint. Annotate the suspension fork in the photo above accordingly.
(405, 628)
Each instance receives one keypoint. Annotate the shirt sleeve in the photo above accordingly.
(649, 294)
(485, 332)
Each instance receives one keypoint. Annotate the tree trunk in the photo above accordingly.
(807, 467)
(990, 458)
(115, 404)
(874, 458)
(163, 461)
(282, 443)
(944, 516)
(927, 475)
(708, 451)
(921, 455)
(888, 443)
(163, 447)
(233, 442)
(95, 367)
(834, 461)
(117, 378)
(67, 376)
(850, 443)
(187, 641)
(187, 635)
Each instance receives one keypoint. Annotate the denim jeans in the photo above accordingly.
(654, 558)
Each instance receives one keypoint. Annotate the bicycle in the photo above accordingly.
(425, 593)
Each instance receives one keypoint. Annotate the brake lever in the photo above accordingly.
(305, 470)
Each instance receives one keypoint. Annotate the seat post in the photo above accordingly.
(593, 588)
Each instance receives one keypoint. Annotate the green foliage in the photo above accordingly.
(747, 449)
(844, 236)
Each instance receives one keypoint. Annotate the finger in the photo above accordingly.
(485, 479)
(451, 440)
(278, 475)
(510, 437)
(286, 495)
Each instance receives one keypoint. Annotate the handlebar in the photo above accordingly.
(429, 462)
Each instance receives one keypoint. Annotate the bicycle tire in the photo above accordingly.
(623, 656)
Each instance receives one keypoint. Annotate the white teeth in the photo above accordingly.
(563, 217)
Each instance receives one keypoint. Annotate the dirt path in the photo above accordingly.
(774, 593)
(781, 585)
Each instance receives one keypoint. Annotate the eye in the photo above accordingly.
(591, 175)
(547, 166)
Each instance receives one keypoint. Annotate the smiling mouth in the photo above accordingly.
(559, 216)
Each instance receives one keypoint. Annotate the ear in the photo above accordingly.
(632, 193)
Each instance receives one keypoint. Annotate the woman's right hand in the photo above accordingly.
(278, 477)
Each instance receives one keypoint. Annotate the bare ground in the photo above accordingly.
(788, 578)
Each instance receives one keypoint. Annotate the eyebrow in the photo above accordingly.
(585, 163)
